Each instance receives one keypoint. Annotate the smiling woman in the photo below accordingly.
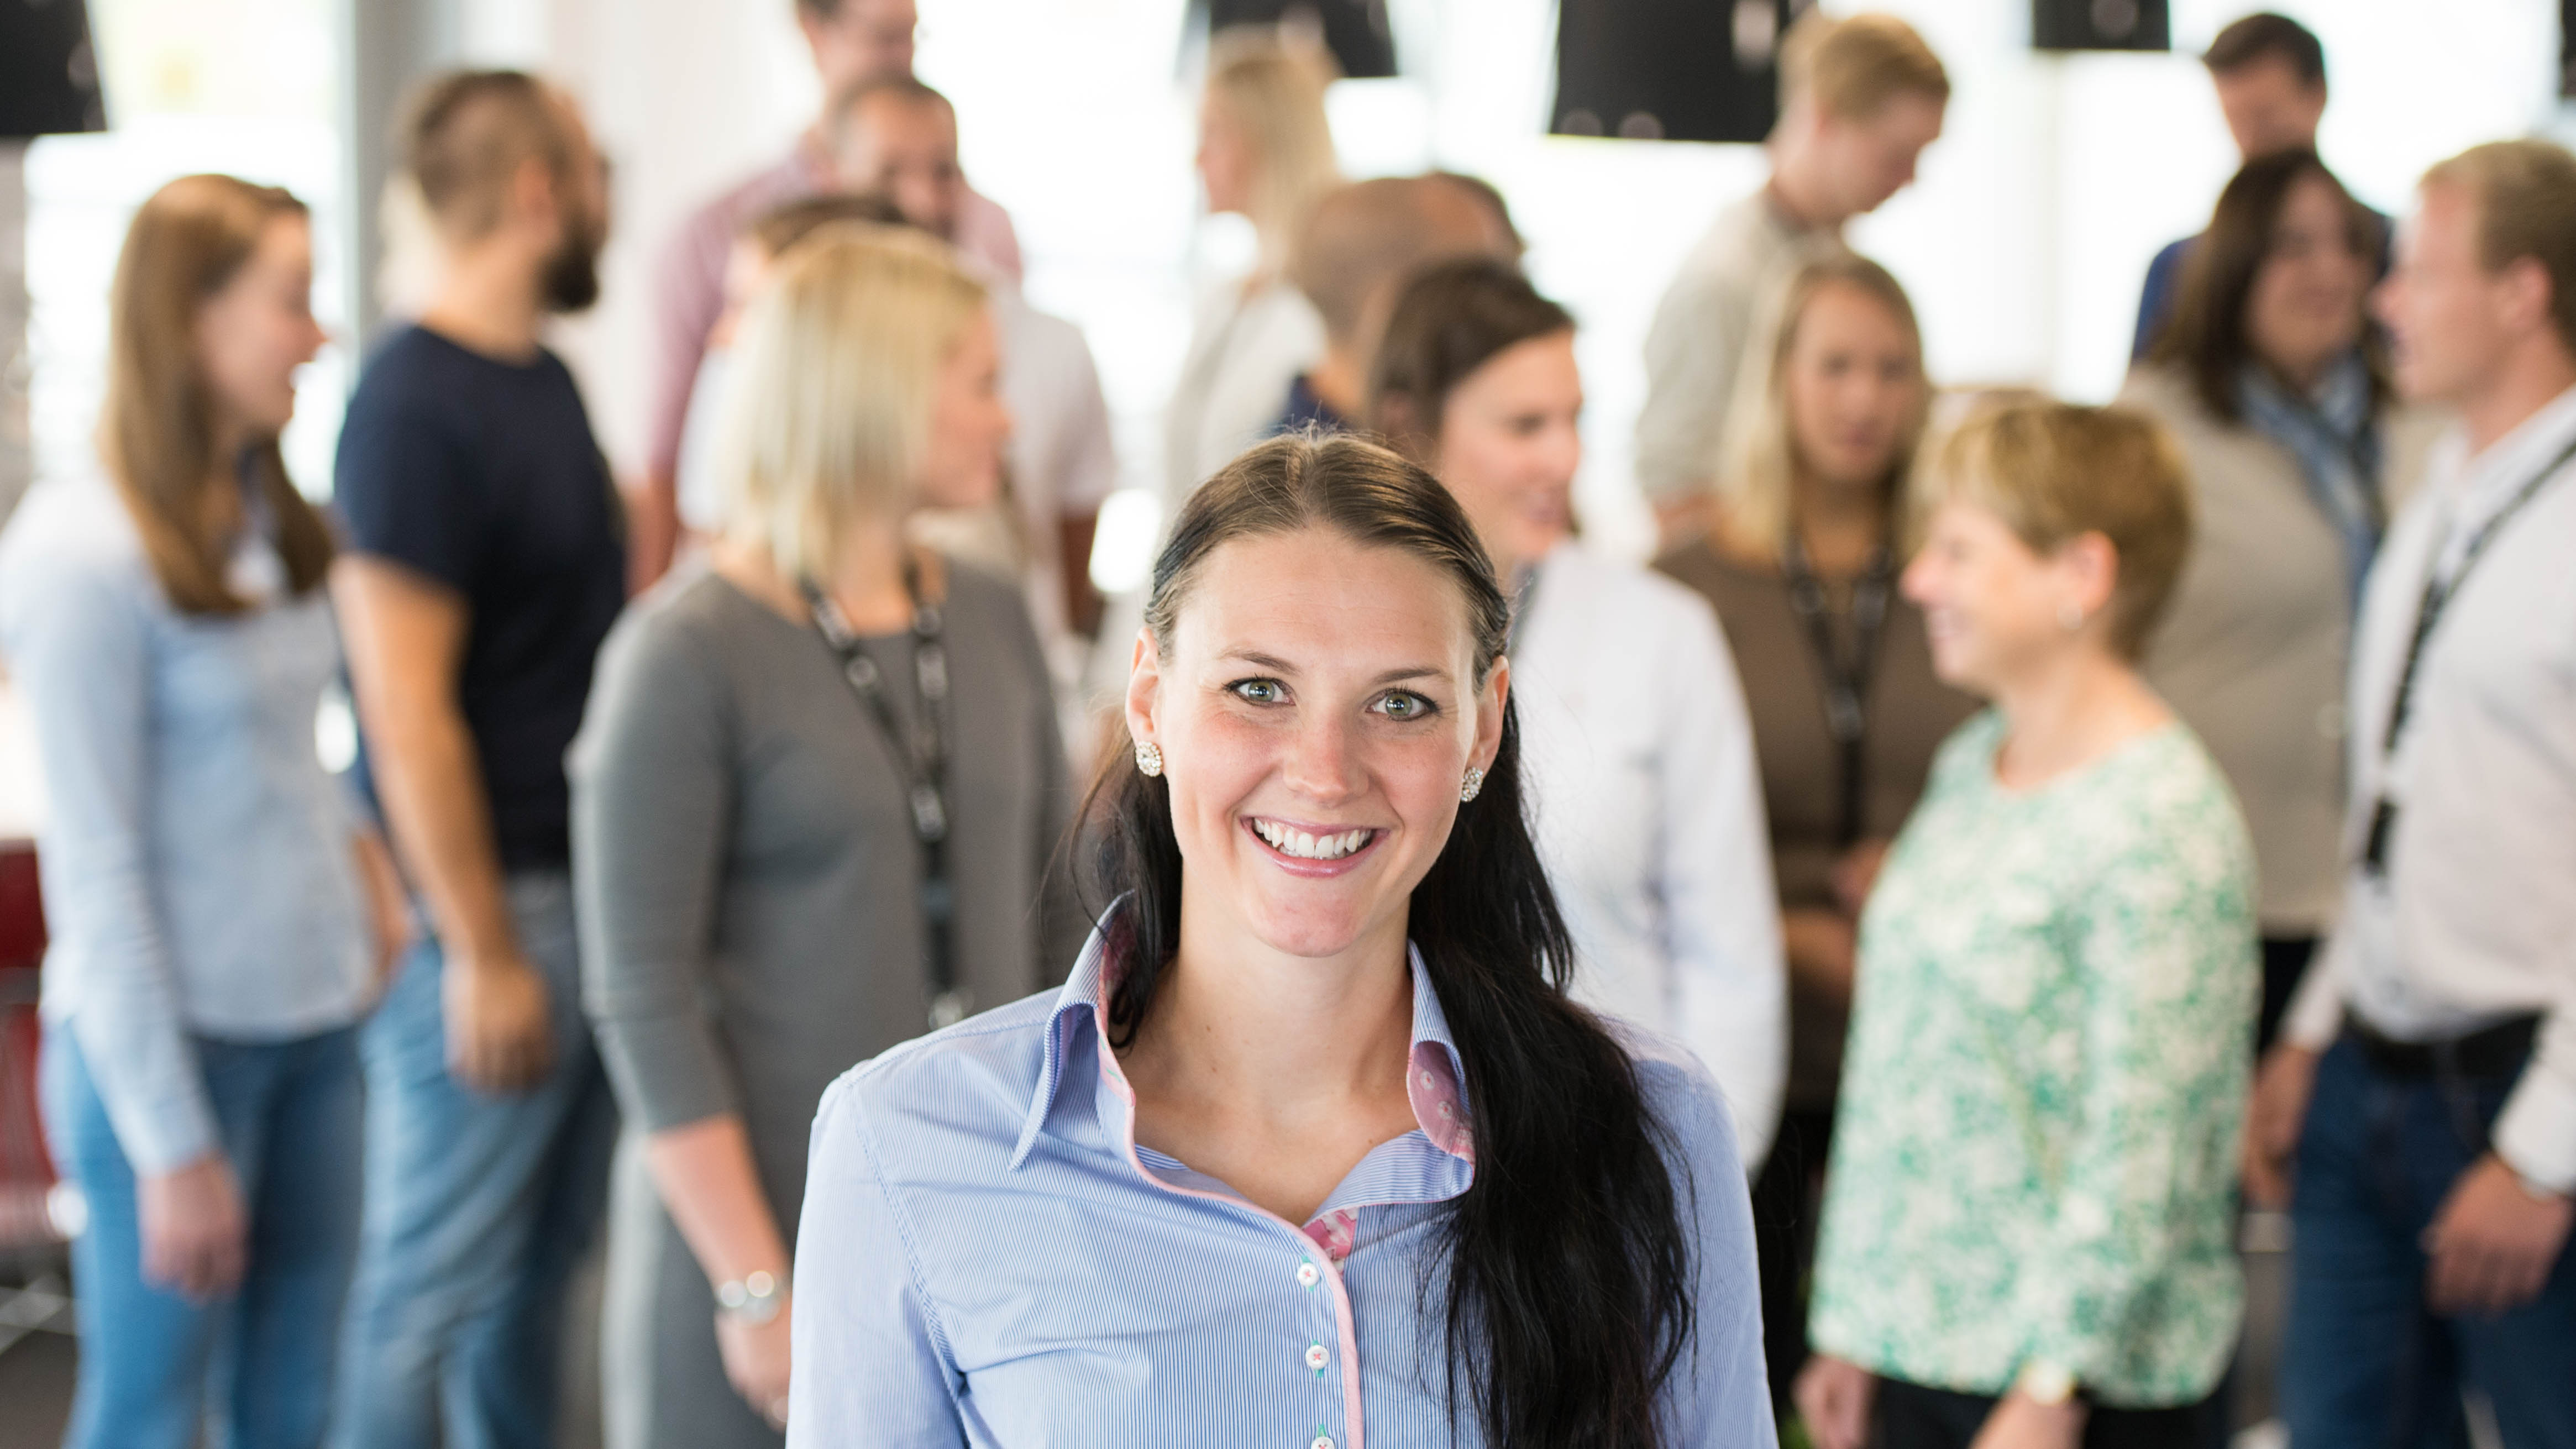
(1314, 1083)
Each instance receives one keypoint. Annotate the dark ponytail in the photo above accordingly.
(1568, 1261)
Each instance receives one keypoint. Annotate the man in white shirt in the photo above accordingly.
(2426, 1084)
(852, 42)
(1861, 98)
(898, 138)
(1359, 247)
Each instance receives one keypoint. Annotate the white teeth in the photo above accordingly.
(1288, 840)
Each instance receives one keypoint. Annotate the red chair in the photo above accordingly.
(34, 1295)
(26, 1168)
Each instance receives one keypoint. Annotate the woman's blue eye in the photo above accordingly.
(1260, 691)
(1404, 704)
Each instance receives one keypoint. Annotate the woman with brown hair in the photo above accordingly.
(210, 896)
(2272, 380)
(1801, 567)
(1644, 799)
(814, 798)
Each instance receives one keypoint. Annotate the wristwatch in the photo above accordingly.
(2043, 1382)
(755, 1299)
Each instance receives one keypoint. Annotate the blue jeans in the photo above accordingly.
(252, 1368)
(478, 1209)
(2367, 1364)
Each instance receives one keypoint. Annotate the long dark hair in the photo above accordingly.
(1450, 320)
(2204, 337)
(1568, 1301)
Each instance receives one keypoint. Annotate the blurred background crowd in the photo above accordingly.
(440, 947)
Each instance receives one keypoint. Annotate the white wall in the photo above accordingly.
(684, 96)
(246, 88)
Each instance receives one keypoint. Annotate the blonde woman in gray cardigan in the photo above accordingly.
(2270, 377)
(762, 905)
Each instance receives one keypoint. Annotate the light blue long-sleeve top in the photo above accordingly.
(988, 1257)
(197, 862)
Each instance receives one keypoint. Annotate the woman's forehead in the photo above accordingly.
(1318, 599)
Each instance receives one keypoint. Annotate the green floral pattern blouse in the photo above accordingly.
(2035, 1154)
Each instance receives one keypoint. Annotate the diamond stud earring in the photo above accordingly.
(1472, 786)
(1149, 758)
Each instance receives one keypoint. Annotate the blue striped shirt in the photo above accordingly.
(987, 1257)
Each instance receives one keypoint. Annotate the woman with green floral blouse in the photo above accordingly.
(2026, 1231)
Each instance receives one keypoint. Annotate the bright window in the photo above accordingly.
(2023, 242)
(248, 87)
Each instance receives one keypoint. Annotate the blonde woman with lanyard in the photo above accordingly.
(1801, 568)
(813, 801)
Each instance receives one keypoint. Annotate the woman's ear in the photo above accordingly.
(1144, 687)
(1490, 702)
(2092, 566)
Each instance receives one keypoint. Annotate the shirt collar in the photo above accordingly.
(1434, 1080)
(2481, 483)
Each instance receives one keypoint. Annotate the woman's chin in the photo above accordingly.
(1540, 533)
(1958, 667)
(1310, 928)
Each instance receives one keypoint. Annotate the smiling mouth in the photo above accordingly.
(1299, 844)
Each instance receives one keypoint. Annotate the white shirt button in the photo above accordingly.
(1316, 1357)
(1308, 1275)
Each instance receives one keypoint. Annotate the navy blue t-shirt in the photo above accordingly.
(483, 476)
(1307, 410)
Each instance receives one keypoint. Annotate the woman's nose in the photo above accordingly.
(1320, 764)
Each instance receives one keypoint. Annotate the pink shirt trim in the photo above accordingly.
(1430, 1084)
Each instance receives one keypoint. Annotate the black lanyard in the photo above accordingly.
(920, 757)
(1846, 681)
(2438, 594)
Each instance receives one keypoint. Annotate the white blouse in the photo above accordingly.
(1647, 806)
(1245, 348)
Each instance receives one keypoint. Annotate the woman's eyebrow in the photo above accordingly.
(1284, 669)
(1259, 660)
